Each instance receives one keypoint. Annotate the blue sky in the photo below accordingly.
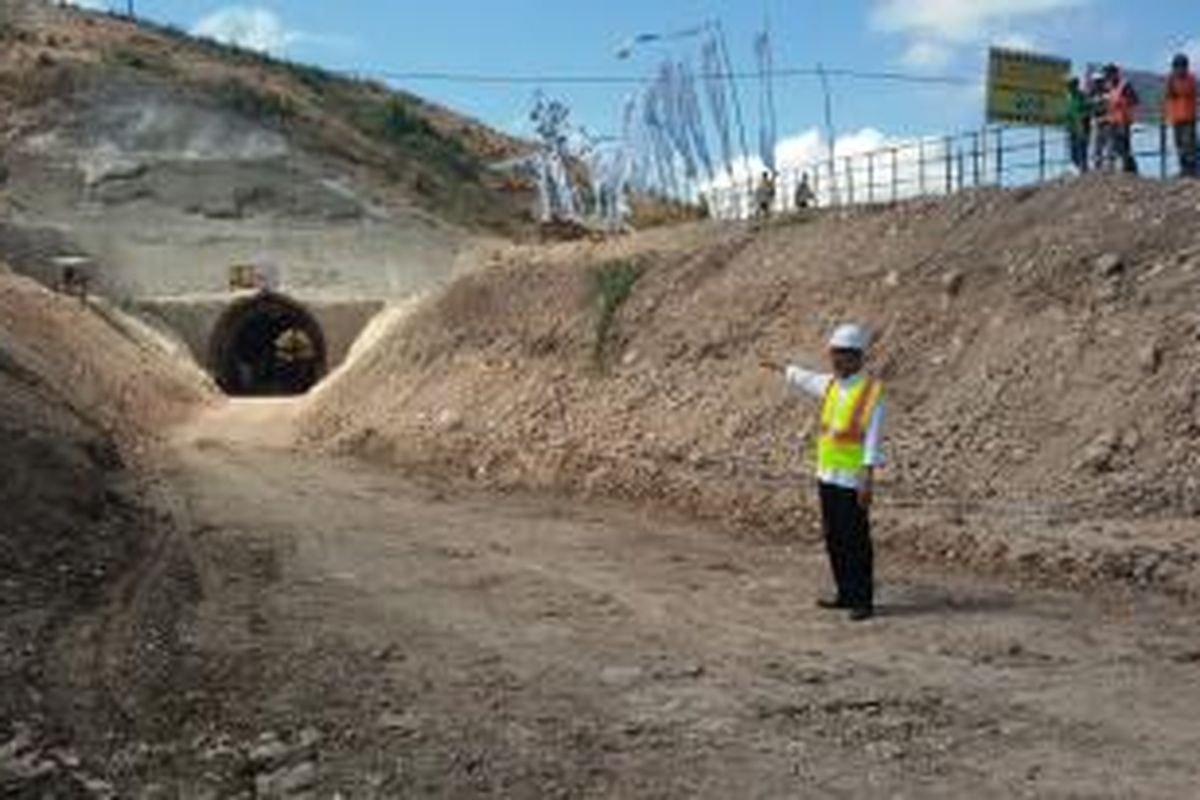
(531, 37)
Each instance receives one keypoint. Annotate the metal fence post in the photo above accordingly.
(871, 178)
(895, 175)
(921, 167)
(962, 168)
(975, 154)
(999, 156)
(949, 145)
(1041, 154)
(1162, 150)
(850, 180)
(816, 184)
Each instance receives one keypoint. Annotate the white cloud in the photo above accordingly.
(254, 28)
(936, 30)
(926, 54)
(90, 5)
(959, 21)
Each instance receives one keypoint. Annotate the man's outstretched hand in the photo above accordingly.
(767, 363)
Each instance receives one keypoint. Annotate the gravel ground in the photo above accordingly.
(352, 633)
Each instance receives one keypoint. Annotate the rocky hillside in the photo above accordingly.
(166, 160)
(1042, 348)
(65, 63)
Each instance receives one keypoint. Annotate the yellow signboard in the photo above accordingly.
(1026, 88)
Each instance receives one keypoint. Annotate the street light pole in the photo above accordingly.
(830, 134)
(714, 26)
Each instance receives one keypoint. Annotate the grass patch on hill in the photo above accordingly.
(255, 103)
(612, 286)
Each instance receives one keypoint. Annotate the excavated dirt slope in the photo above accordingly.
(79, 401)
(1040, 346)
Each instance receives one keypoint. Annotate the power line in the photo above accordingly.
(482, 78)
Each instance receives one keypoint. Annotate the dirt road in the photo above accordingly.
(368, 634)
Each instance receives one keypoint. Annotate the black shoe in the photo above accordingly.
(831, 603)
(861, 614)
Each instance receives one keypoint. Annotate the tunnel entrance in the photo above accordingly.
(267, 346)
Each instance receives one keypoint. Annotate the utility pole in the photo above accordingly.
(769, 80)
(129, 6)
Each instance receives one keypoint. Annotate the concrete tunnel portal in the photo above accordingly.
(267, 345)
(248, 341)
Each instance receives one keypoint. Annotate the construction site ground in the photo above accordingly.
(549, 530)
(311, 626)
(507, 551)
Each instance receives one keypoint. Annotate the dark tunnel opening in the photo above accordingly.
(267, 346)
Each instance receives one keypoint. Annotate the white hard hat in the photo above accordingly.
(850, 337)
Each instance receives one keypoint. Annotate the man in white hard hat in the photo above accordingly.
(848, 452)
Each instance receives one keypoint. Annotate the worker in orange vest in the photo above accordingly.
(1180, 112)
(1122, 104)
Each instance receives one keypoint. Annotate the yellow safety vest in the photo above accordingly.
(844, 421)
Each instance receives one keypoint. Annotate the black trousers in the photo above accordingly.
(1078, 146)
(848, 541)
(1122, 144)
(1185, 144)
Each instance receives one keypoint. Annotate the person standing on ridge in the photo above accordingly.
(805, 196)
(1101, 144)
(1079, 124)
(765, 195)
(848, 452)
(1180, 112)
(1122, 105)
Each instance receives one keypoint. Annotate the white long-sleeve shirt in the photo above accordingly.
(816, 384)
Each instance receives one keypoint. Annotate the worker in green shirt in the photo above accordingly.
(1079, 124)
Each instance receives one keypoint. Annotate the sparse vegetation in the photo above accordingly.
(391, 120)
(612, 286)
(651, 210)
(264, 105)
(317, 79)
(142, 60)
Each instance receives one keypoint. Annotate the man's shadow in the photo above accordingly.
(916, 601)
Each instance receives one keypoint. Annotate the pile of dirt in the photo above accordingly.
(1040, 346)
(124, 386)
(79, 402)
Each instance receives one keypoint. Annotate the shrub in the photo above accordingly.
(612, 286)
(315, 78)
(139, 60)
(254, 103)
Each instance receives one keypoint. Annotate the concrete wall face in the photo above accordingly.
(165, 258)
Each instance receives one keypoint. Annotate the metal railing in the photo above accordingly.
(940, 166)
